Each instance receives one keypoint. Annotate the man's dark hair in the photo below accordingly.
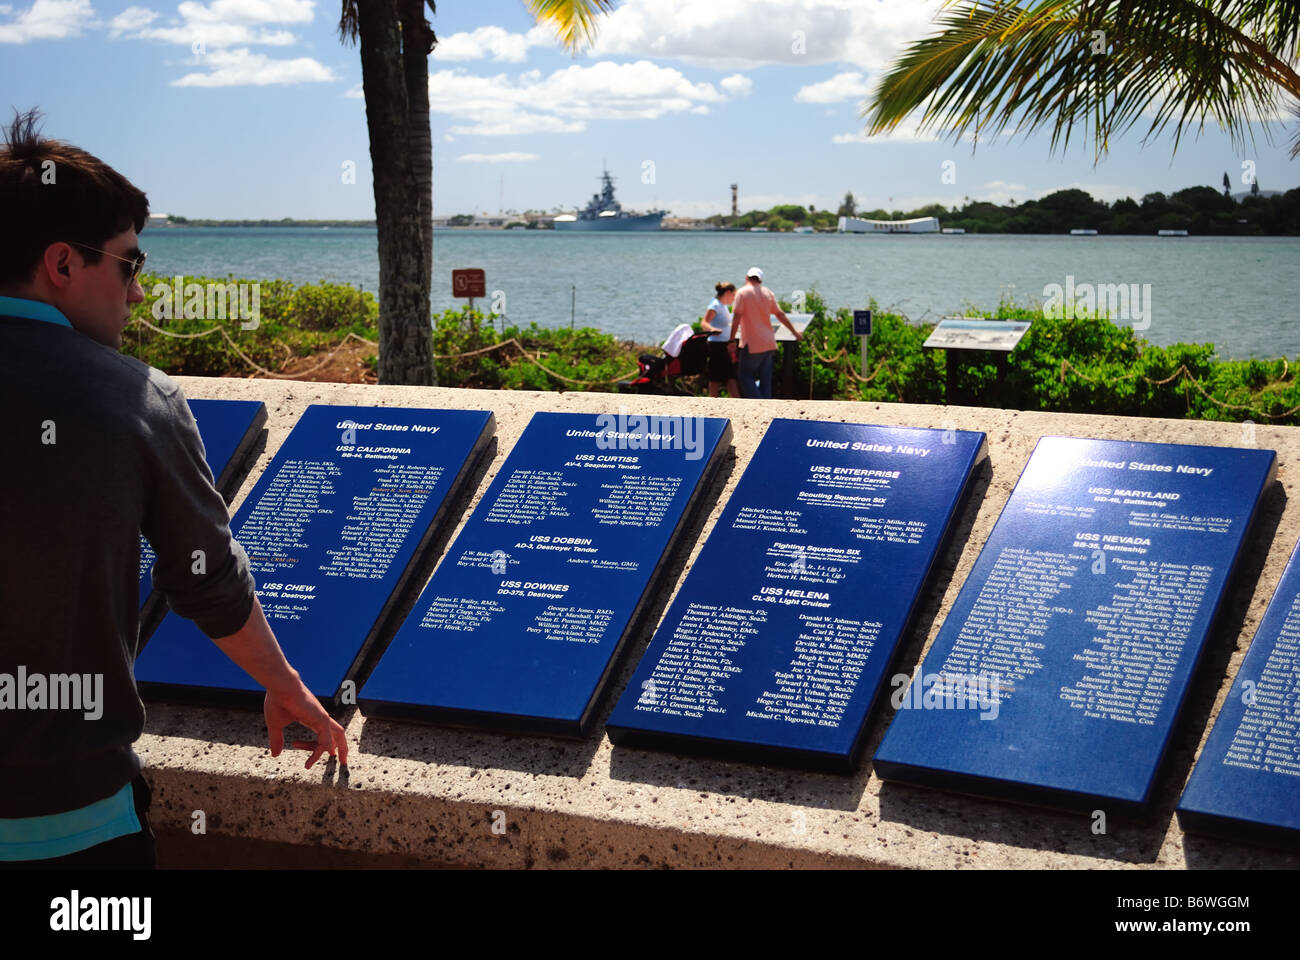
(53, 192)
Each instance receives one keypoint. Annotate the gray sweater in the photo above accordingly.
(95, 449)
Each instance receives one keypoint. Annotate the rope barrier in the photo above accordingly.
(249, 360)
(352, 336)
(1188, 376)
(842, 353)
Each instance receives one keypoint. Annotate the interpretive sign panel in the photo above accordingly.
(346, 509)
(776, 646)
(964, 333)
(1246, 784)
(522, 623)
(799, 321)
(1060, 672)
(229, 429)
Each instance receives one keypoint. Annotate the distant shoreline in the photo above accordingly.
(370, 225)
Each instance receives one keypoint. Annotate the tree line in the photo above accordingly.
(1202, 211)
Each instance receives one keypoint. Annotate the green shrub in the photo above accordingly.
(1072, 365)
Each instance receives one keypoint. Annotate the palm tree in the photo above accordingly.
(395, 40)
(1099, 65)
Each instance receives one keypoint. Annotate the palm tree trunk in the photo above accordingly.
(417, 44)
(405, 333)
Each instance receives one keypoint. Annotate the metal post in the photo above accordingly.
(865, 346)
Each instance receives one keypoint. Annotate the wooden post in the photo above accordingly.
(788, 349)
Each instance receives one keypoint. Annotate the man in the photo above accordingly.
(751, 326)
(99, 448)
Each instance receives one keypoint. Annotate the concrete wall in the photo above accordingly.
(432, 792)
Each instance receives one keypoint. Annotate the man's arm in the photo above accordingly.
(204, 574)
(255, 650)
(780, 315)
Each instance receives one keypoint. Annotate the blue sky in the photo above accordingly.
(251, 108)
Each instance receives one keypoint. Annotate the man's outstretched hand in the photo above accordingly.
(255, 649)
(285, 706)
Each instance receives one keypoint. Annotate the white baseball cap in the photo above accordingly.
(754, 272)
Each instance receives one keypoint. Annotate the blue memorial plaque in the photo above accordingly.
(349, 505)
(228, 429)
(776, 646)
(522, 623)
(1060, 672)
(1246, 784)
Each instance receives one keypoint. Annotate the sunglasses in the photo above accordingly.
(136, 264)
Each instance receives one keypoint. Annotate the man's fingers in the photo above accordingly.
(341, 739)
(276, 731)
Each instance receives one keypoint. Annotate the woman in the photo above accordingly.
(717, 323)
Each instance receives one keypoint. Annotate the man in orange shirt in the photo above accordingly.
(752, 327)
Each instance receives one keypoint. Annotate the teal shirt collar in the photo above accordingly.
(32, 310)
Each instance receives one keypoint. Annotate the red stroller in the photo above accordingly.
(663, 374)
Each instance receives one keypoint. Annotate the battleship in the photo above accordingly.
(605, 213)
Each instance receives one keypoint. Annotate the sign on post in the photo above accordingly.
(471, 283)
(862, 328)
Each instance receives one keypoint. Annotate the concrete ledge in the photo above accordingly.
(432, 792)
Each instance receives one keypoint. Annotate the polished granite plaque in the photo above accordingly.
(523, 621)
(349, 505)
(229, 429)
(1246, 783)
(778, 643)
(1059, 674)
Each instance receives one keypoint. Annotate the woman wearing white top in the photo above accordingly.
(717, 323)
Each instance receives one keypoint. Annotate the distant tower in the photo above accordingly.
(735, 210)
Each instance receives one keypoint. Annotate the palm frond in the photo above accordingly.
(1098, 66)
(574, 21)
(349, 26)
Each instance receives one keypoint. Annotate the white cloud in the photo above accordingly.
(242, 68)
(1000, 192)
(514, 157)
(566, 100)
(216, 35)
(510, 123)
(737, 85)
(842, 86)
(249, 11)
(908, 131)
(131, 19)
(222, 23)
(729, 34)
(494, 42)
(46, 20)
(748, 33)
